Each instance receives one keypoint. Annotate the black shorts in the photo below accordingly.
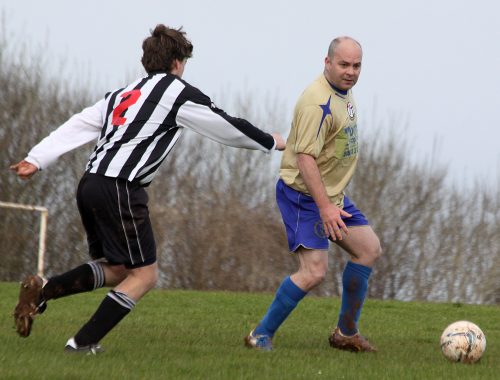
(115, 215)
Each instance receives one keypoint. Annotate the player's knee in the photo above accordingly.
(113, 274)
(147, 276)
(374, 253)
(319, 277)
(151, 279)
(154, 280)
(377, 253)
(315, 277)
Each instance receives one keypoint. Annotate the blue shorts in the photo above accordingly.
(303, 223)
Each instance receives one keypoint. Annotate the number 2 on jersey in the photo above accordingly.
(129, 99)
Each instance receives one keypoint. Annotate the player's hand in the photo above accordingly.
(333, 224)
(24, 169)
(280, 141)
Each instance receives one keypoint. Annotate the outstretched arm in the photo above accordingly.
(78, 130)
(24, 169)
(280, 141)
(197, 112)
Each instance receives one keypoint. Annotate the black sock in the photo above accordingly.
(111, 311)
(84, 278)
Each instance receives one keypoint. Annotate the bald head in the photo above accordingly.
(340, 40)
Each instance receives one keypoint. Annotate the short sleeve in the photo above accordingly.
(311, 124)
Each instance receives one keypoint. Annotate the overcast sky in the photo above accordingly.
(433, 65)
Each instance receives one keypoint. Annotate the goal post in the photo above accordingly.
(44, 214)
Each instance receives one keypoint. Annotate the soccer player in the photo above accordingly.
(135, 127)
(319, 160)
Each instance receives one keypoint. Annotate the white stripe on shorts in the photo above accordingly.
(123, 224)
(133, 221)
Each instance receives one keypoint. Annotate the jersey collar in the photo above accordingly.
(336, 89)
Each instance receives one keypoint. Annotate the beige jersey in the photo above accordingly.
(324, 126)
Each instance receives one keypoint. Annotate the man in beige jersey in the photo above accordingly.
(319, 161)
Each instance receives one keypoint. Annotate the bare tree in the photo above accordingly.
(440, 240)
(31, 105)
(214, 211)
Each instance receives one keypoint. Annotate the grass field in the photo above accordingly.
(199, 335)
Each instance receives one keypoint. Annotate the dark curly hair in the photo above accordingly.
(163, 47)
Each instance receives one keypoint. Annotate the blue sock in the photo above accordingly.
(354, 289)
(287, 297)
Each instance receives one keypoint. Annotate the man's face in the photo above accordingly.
(343, 69)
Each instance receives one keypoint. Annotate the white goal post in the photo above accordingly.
(44, 214)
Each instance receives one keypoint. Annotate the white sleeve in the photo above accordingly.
(77, 131)
(198, 113)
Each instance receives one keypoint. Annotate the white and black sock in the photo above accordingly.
(84, 278)
(113, 309)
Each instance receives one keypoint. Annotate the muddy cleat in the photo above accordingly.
(30, 303)
(261, 342)
(92, 349)
(355, 343)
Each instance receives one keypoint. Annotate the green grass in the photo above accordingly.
(199, 335)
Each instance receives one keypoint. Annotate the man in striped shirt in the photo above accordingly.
(135, 127)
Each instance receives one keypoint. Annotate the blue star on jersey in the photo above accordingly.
(326, 111)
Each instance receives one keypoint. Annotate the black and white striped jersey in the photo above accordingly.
(137, 126)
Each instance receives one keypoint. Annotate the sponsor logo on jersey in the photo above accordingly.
(350, 133)
(350, 110)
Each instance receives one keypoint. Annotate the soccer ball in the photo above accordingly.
(463, 341)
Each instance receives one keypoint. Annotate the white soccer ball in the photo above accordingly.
(463, 341)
